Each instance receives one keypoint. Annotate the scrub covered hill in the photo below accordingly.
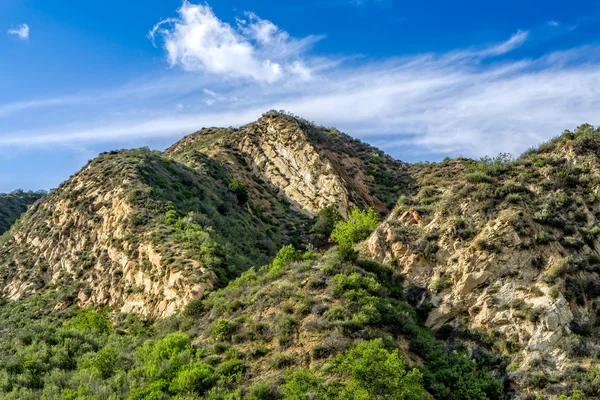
(12, 205)
(238, 264)
(304, 326)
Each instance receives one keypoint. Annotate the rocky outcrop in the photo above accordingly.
(512, 259)
(281, 152)
(310, 166)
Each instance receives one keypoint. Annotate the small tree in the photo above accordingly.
(328, 217)
(376, 373)
(240, 190)
(357, 227)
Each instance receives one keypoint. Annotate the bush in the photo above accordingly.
(301, 385)
(439, 284)
(91, 321)
(194, 308)
(376, 373)
(286, 254)
(240, 190)
(195, 378)
(328, 218)
(262, 391)
(222, 329)
(357, 227)
(479, 177)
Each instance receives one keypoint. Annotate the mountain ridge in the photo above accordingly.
(489, 265)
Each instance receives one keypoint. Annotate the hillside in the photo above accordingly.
(311, 166)
(12, 205)
(238, 264)
(139, 231)
(509, 253)
(297, 328)
(148, 232)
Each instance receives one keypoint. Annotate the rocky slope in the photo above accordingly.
(12, 205)
(311, 166)
(498, 257)
(508, 252)
(148, 232)
(140, 232)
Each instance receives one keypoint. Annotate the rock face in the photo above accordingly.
(508, 251)
(283, 154)
(311, 166)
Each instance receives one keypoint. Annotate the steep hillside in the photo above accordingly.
(312, 166)
(141, 232)
(148, 232)
(509, 253)
(303, 327)
(12, 205)
(485, 284)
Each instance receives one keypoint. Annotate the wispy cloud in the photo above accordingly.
(199, 41)
(472, 101)
(22, 31)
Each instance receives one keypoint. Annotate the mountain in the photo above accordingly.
(12, 205)
(508, 252)
(148, 232)
(285, 260)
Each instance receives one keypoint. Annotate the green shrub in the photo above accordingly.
(301, 385)
(357, 227)
(91, 321)
(240, 190)
(328, 218)
(286, 254)
(439, 284)
(479, 177)
(376, 373)
(554, 292)
(194, 308)
(222, 329)
(262, 391)
(194, 378)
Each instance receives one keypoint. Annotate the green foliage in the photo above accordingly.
(194, 378)
(328, 218)
(302, 384)
(285, 255)
(357, 227)
(222, 329)
(479, 177)
(439, 284)
(194, 308)
(91, 321)
(376, 373)
(262, 391)
(240, 190)
(90, 358)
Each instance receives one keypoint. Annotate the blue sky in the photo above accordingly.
(421, 80)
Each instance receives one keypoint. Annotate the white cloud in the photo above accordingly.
(470, 101)
(22, 32)
(552, 23)
(257, 49)
(515, 41)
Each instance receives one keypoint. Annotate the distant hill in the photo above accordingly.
(12, 205)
